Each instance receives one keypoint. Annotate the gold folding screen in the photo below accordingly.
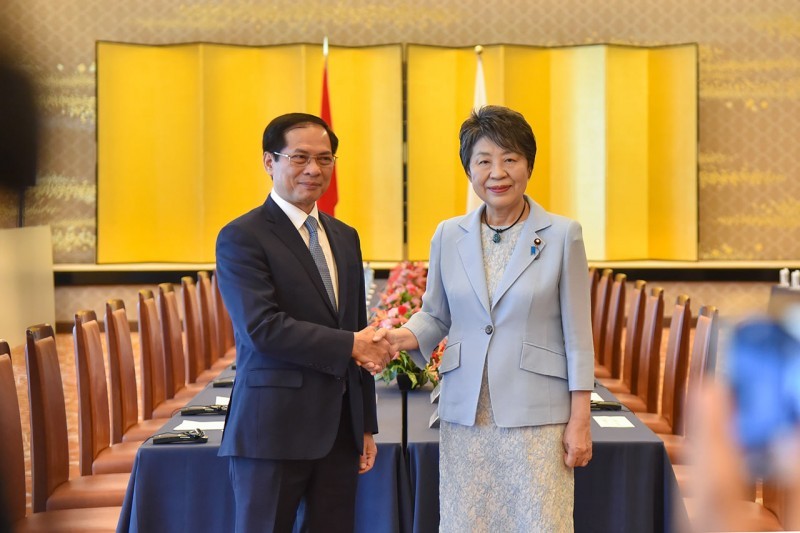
(179, 141)
(616, 129)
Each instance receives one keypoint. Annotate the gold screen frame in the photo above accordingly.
(179, 141)
(179, 131)
(616, 130)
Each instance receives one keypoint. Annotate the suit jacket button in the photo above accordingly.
(488, 329)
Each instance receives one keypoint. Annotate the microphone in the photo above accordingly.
(224, 382)
(197, 410)
(192, 436)
(606, 406)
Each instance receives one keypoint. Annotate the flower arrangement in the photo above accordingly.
(399, 301)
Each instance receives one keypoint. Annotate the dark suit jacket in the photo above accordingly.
(293, 351)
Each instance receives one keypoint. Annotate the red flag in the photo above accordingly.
(328, 201)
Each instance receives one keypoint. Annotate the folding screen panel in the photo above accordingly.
(179, 141)
(616, 129)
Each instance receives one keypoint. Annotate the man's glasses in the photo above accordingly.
(302, 160)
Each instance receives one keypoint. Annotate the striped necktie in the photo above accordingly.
(319, 257)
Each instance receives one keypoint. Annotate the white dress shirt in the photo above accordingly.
(298, 218)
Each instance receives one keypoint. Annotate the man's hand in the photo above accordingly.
(367, 460)
(399, 338)
(392, 335)
(372, 355)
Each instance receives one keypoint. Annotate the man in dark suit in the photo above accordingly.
(302, 411)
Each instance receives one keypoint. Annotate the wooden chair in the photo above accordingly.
(612, 352)
(12, 472)
(211, 325)
(676, 371)
(594, 278)
(97, 454)
(703, 352)
(52, 487)
(154, 379)
(182, 366)
(599, 321)
(196, 331)
(646, 396)
(125, 424)
(633, 343)
(225, 326)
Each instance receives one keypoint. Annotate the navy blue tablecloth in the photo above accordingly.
(628, 486)
(185, 487)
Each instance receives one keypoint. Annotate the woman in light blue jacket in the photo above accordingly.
(508, 285)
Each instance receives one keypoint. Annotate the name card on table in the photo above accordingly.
(596, 397)
(434, 420)
(613, 422)
(222, 400)
(435, 393)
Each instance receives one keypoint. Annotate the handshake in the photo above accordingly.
(373, 349)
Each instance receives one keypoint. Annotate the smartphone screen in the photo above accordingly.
(764, 373)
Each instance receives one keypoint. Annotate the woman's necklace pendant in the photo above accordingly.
(496, 237)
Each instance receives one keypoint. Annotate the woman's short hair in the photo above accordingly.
(505, 127)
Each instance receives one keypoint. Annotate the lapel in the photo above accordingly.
(471, 253)
(526, 251)
(339, 244)
(285, 231)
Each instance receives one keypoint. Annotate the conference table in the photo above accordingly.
(628, 486)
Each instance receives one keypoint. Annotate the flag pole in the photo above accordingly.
(327, 203)
(479, 100)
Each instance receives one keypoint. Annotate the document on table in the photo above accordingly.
(613, 422)
(222, 400)
(596, 397)
(194, 424)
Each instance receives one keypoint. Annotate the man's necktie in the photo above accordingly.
(319, 257)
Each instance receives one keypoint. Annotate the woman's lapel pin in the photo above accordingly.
(536, 243)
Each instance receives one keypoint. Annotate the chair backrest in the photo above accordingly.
(208, 317)
(49, 445)
(612, 351)
(226, 339)
(594, 278)
(601, 312)
(196, 358)
(124, 401)
(650, 352)
(94, 421)
(171, 332)
(676, 365)
(153, 361)
(708, 328)
(633, 335)
(777, 497)
(12, 456)
(704, 347)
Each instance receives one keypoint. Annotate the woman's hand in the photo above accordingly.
(399, 338)
(578, 433)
